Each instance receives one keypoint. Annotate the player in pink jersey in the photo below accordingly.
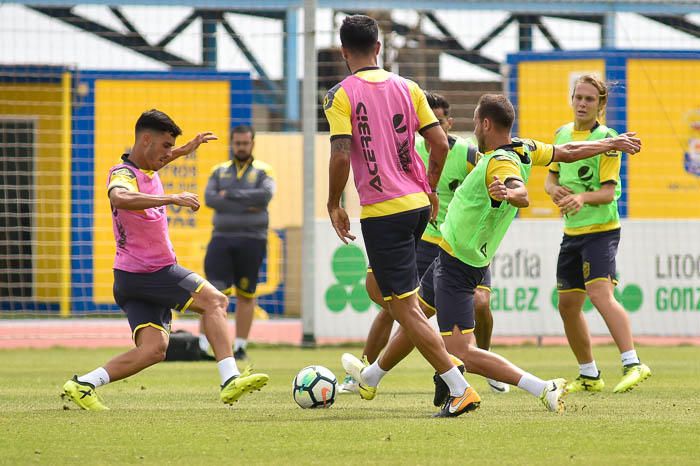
(148, 282)
(373, 115)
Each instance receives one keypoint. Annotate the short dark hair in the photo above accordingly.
(359, 33)
(436, 100)
(497, 108)
(243, 129)
(155, 120)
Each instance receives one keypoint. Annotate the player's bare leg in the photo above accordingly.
(496, 367)
(408, 313)
(151, 345)
(601, 294)
(483, 317)
(575, 326)
(400, 345)
(212, 305)
(380, 331)
(481, 362)
(579, 338)
(420, 333)
(484, 329)
(396, 351)
(617, 321)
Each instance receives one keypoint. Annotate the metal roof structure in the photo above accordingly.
(527, 14)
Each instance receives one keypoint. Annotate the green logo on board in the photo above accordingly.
(349, 267)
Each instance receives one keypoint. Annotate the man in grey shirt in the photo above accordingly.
(239, 191)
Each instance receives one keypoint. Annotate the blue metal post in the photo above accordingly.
(525, 37)
(608, 31)
(209, 22)
(616, 115)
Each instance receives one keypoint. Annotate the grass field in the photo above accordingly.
(170, 414)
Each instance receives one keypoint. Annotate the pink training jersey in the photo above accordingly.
(384, 123)
(143, 244)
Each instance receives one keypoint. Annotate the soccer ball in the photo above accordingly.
(314, 387)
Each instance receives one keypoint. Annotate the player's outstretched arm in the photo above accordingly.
(338, 173)
(122, 198)
(191, 146)
(578, 150)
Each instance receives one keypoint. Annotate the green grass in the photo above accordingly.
(170, 414)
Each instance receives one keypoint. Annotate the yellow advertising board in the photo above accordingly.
(664, 108)
(41, 104)
(544, 105)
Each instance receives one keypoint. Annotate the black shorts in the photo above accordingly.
(426, 253)
(234, 261)
(486, 282)
(448, 288)
(148, 298)
(587, 258)
(391, 242)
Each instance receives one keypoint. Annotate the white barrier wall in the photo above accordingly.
(658, 267)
